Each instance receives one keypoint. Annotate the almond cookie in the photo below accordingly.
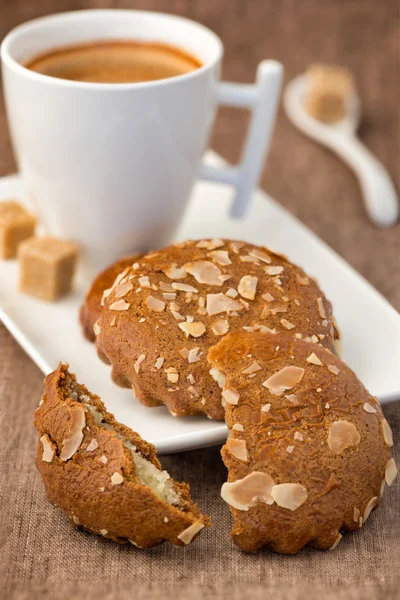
(93, 305)
(308, 453)
(103, 475)
(164, 314)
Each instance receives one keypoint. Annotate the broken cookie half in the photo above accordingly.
(103, 475)
(309, 450)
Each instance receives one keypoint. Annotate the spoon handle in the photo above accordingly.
(379, 194)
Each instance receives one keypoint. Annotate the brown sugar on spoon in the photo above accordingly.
(164, 313)
(309, 450)
(103, 475)
(94, 300)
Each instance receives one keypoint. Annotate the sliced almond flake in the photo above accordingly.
(356, 515)
(159, 362)
(298, 436)
(189, 318)
(174, 272)
(191, 378)
(184, 287)
(103, 531)
(274, 270)
(260, 255)
(139, 289)
(298, 336)
(263, 329)
(369, 408)
(105, 295)
(314, 339)
(302, 280)
(73, 440)
(284, 380)
(224, 277)
(49, 448)
(136, 266)
(333, 369)
(119, 305)
(188, 534)
(248, 328)
(265, 312)
(267, 297)
(314, 360)
(290, 449)
(173, 377)
(286, 324)
(230, 396)
(342, 435)
(138, 362)
(155, 304)
(248, 258)
(336, 542)
(233, 314)
(237, 448)
(177, 315)
(219, 303)
(292, 398)
(236, 246)
(390, 471)
(204, 271)
(192, 390)
(203, 401)
(165, 287)
(266, 407)
(368, 509)
(144, 281)
(253, 368)
(93, 445)
(194, 329)
(220, 256)
(142, 320)
(247, 287)
(96, 328)
(289, 495)
(321, 308)
(327, 405)
(218, 377)
(117, 478)
(202, 302)
(285, 299)
(324, 323)
(122, 289)
(244, 303)
(103, 459)
(247, 492)
(210, 244)
(184, 352)
(237, 427)
(220, 327)
(169, 295)
(192, 355)
(387, 433)
(278, 309)
(297, 302)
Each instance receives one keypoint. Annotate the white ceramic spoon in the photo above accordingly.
(380, 197)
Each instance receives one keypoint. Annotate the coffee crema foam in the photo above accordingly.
(114, 61)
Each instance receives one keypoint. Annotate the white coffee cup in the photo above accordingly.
(111, 166)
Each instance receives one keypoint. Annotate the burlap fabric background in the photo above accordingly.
(40, 555)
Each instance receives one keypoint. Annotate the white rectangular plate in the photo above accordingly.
(370, 327)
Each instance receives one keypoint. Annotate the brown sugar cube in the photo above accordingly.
(329, 89)
(16, 225)
(47, 267)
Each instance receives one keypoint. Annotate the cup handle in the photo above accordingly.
(262, 99)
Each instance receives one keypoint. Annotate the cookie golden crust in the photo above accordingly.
(159, 322)
(103, 475)
(91, 308)
(309, 447)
